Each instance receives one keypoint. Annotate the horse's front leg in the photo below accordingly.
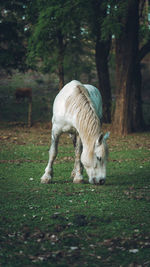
(47, 176)
(78, 168)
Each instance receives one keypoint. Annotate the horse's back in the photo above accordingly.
(60, 114)
(65, 92)
(96, 98)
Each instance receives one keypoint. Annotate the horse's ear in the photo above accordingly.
(100, 139)
(106, 136)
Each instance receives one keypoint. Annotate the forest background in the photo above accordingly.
(105, 43)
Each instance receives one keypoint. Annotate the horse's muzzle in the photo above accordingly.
(101, 182)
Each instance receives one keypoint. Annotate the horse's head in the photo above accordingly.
(95, 165)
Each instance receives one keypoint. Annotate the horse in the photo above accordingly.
(77, 109)
(22, 93)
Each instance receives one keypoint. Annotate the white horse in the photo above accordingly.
(78, 109)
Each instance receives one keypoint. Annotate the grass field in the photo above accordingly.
(64, 224)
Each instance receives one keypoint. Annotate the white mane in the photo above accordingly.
(87, 121)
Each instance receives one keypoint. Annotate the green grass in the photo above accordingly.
(66, 224)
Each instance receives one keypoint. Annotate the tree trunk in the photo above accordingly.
(101, 55)
(60, 60)
(97, 11)
(138, 120)
(126, 58)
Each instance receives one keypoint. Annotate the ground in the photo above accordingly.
(63, 224)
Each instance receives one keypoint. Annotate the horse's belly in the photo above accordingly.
(68, 128)
(62, 122)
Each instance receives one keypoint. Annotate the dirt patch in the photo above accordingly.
(40, 134)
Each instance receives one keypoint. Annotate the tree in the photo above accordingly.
(144, 48)
(53, 32)
(126, 55)
(96, 12)
(12, 35)
(128, 112)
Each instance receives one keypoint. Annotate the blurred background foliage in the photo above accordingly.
(45, 44)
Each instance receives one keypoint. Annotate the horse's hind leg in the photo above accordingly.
(47, 176)
(78, 168)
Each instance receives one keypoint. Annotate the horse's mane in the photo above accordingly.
(87, 122)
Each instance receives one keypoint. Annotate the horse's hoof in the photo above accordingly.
(78, 181)
(46, 179)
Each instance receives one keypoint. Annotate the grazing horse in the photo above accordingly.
(78, 109)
